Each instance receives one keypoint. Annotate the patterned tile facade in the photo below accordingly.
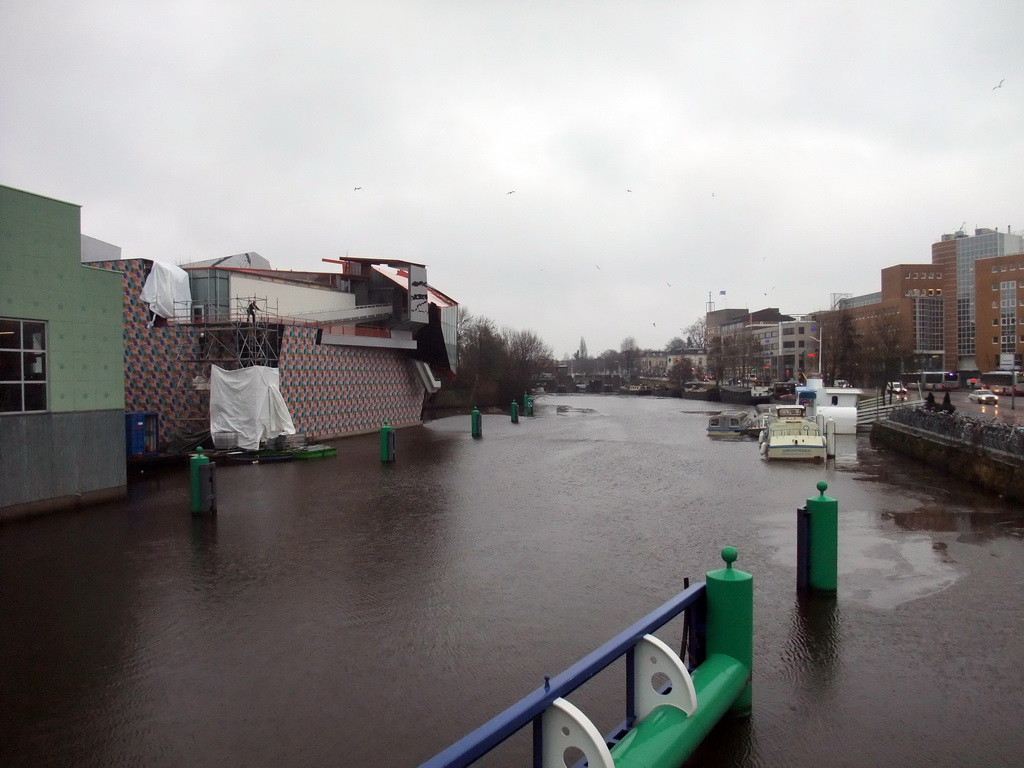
(333, 390)
(330, 390)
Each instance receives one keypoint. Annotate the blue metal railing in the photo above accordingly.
(529, 709)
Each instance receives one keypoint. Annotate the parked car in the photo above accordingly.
(983, 396)
(897, 390)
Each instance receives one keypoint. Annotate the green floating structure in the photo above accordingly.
(387, 443)
(202, 480)
(669, 709)
(527, 404)
(666, 736)
(818, 544)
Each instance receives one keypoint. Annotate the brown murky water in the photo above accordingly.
(351, 613)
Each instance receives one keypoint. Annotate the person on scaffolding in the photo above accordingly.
(251, 311)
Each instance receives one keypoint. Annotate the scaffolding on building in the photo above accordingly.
(245, 333)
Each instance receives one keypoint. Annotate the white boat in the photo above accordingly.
(732, 423)
(789, 434)
(836, 403)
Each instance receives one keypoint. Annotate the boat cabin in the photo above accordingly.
(730, 422)
(790, 412)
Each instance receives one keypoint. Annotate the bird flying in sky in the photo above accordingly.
(1000, 84)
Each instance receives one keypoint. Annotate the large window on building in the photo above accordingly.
(927, 320)
(1008, 316)
(22, 365)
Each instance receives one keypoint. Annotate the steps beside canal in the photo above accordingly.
(997, 471)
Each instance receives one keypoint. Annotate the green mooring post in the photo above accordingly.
(730, 620)
(387, 443)
(475, 424)
(823, 541)
(514, 410)
(195, 461)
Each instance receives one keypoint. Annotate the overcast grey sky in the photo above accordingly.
(658, 151)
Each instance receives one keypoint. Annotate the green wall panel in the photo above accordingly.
(43, 279)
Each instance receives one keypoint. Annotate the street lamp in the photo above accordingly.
(814, 338)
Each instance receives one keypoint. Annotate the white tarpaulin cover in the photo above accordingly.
(166, 290)
(248, 402)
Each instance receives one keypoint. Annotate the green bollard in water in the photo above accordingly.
(823, 542)
(195, 461)
(730, 620)
(387, 443)
(475, 424)
(514, 410)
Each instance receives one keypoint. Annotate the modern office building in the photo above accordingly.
(912, 298)
(62, 421)
(967, 288)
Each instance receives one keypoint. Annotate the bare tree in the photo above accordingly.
(747, 358)
(682, 371)
(495, 366)
(716, 358)
(526, 356)
(697, 334)
(630, 353)
(839, 346)
(481, 357)
(463, 330)
(582, 362)
(886, 346)
(610, 361)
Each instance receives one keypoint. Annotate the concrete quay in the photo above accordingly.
(997, 471)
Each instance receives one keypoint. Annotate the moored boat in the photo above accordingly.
(740, 395)
(838, 404)
(696, 391)
(783, 392)
(732, 423)
(789, 434)
(635, 389)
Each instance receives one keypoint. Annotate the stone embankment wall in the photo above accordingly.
(1000, 472)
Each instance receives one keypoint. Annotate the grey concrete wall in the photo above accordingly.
(51, 461)
(999, 472)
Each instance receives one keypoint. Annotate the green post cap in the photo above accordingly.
(729, 554)
(822, 486)
(199, 449)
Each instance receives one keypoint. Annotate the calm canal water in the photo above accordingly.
(351, 613)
